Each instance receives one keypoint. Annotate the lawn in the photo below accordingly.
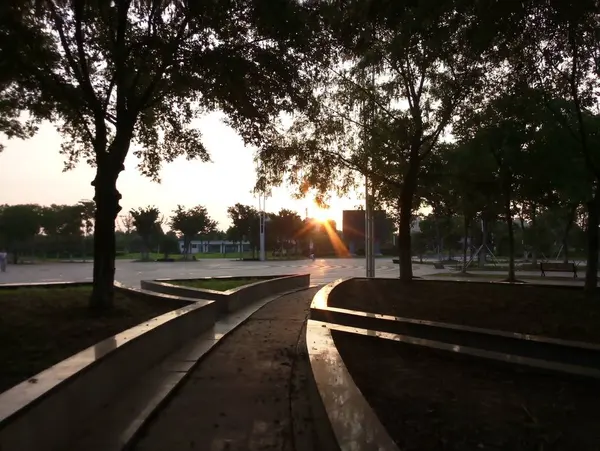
(41, 327)
(540, 310)
(215, 284)
(435, 400)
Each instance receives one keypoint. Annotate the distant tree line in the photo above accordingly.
(65, 231)
(286, 233)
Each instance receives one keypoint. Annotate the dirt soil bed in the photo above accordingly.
(433, 400)
(540, 310)
(41, 327)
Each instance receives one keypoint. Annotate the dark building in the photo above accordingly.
(353, 230)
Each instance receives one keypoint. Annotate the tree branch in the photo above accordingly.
(576, 99)
(366, 91)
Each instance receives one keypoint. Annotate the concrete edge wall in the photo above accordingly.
(45, 412)
(332, 390)
(231, 300)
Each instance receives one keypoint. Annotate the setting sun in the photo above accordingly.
(321, 214)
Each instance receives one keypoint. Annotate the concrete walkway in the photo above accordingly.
(130, 272)
(245, 394)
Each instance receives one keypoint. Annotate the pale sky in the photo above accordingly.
(31, 172)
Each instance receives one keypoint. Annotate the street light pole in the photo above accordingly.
(262, 197)
(369, 235)
(369, 214)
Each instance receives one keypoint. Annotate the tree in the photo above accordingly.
(147, 224)
(127, 222)
(232, 234)
(419, 245)
(506, 127)
(477, 188)
(190, 223)
(18, 225)
(284, 227)
(63, 224)
(88, 212)
(209, 233)
(169, 244)
(410, 66)
(556, 50)
(13, 104)
(116, 73)
(245, 221)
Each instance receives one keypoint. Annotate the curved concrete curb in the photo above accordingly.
(568, 352)
(47, 411)
(232, 300)
(338, 393)
(197, 350)
(477, 352)
(353, 422)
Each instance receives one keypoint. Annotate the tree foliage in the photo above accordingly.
(18, 224)
(147, 224)
(404, 69)
(191, 222)
(122, 75)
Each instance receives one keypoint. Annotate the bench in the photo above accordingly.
(558, 267)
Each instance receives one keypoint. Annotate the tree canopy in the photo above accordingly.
(117, 75)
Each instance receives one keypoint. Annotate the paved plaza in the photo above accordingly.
(130, 272)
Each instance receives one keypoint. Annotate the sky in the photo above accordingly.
(31, 171)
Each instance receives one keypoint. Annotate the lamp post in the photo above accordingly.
(262, 197)
(369, 231)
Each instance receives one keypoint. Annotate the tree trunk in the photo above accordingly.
(405, 204)
(465, 243)
(534, 249)
(107, 208)
(565, 245)
(438, 240)
(591, 274)
(471, 241)
(483, 247)
(509, 223)
(565, 239)
(525, 251)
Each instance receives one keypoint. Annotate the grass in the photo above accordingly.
(40, 327)
(539, 310)
(215, 284)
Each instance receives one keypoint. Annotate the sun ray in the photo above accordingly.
(321, 214)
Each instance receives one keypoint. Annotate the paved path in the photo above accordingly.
(321, 271)
(242, 395)
(130, 272)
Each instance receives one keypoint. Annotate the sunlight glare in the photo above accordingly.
(321, 214)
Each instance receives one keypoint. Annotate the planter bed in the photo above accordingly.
(431, 400)
(39, 327)
(558, 312)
